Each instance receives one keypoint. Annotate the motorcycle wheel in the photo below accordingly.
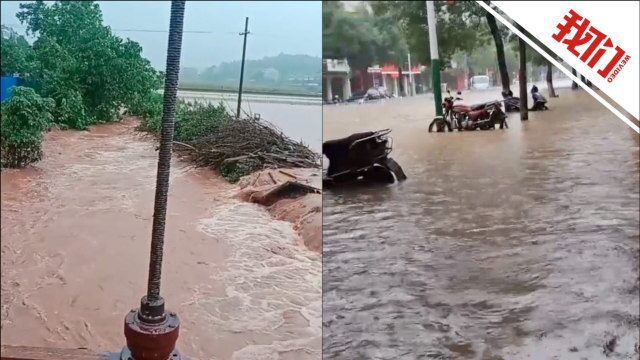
(448, 123)
(440, 125)
(432, 125)
(379, 174)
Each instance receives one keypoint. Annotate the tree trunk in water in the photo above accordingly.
(502, 64)
(552, 91)
(574, 85)
(524, 111)
(400, 81)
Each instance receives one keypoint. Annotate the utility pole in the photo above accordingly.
(244, 50)
(435, 60)
(412, 85)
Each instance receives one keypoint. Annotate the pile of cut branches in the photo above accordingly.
(239, 147)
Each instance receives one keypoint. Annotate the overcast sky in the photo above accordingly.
(277, 27)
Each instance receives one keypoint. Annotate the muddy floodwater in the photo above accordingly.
(505, 244)
(76, 229)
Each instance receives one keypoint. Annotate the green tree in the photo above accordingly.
(17, 54)
(457, 25)
(497, 39)
(25, 117)
(361, 37)
(536, 59)
(82, 65)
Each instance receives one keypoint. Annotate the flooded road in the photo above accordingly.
(505, 244)
(75, 249)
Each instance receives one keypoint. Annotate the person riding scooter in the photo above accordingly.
(539, 101)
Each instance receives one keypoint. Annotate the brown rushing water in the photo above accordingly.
(75, 247)
(505, 244)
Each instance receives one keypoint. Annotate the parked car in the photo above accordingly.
(480, 82)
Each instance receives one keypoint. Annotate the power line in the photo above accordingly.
(165, 31)
(185, 31)
(145, 30)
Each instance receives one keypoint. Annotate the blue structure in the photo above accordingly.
(8, 82)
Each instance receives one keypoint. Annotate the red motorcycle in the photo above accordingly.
(482, 116)
(485, 118)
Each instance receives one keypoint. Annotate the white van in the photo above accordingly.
(480, 82)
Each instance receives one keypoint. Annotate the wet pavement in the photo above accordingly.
(76, 229)
(505, 244)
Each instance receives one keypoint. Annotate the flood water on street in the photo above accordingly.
(505, 244)
(76, 229)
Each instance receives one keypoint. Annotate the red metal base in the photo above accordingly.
(147, 341)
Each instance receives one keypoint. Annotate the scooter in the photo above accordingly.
(361, 158)
(511, 103)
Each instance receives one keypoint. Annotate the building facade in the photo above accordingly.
(336, 79)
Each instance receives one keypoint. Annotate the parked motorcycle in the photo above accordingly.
(484, 119)
(453, 113)
(477, 116)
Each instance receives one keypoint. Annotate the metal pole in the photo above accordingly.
(244, 49)
(411, 83)
(166, 141)
(435, 59)
(151, 332)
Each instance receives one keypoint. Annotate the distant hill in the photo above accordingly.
(282, 73)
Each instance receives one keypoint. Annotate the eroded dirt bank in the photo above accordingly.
(75, 241)
(292, 195)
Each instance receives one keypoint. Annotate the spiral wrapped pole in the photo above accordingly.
(151, 332)
(164, 160)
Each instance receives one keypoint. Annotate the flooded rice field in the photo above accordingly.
(505, 244)
(297, 116)
(76, 229)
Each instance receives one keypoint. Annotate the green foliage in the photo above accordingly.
(193, 120)
(196, 120)
(532, 56)
(25, 117)
(458, 26)
(149, 108)
(361, 37)
(69, 111)
(82, 65)
(484, 57)
(233, 171)
(17, 54)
